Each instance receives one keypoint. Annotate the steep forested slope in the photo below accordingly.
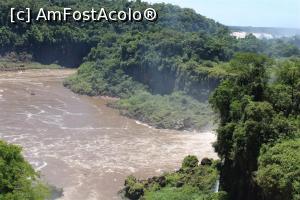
(258, 119)
(181, 51)
(175, 53)
(69, 42)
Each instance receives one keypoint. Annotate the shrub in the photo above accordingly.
(190, 162)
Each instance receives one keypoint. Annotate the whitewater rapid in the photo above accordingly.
(81, 145)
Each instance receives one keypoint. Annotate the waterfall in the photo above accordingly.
(217, 186)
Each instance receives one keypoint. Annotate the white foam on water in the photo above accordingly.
(91, 128)
(1, 95)
(109, 171)
(13, 128)
(60, 101)
(29, 115)
(132, 169)
(82, 152)
(144, 124)
(42, 166)
(38, 165)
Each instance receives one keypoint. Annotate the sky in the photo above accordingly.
(261, 13)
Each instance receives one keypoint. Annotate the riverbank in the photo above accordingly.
(14, 65)
(176, 110)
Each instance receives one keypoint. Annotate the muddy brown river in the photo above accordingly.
(79, 144)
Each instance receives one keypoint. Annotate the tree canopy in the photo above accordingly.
(257, 118)
(18, 180)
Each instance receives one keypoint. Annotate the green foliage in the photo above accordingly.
(133, 189)
(255, 112)
(94, 80)
(191, 182)
(70, 41)
(175, 111)
(278, 172)
(11, 65)
(247, 83)
(190, 162)
(18, 180)
(285, 92)
(149, 67)
(184, 193)
(288, 72)
(272, 47)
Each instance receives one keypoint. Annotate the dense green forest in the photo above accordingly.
(18, 180)
(259, 129)
(182, 52)
(164, 72)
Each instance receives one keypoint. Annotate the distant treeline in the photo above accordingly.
(68, 43)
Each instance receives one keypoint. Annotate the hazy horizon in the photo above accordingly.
(255, 13)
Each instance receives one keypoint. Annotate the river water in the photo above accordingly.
(79, 144)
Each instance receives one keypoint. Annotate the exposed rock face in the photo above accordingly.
(134, 194)
(134, 189)
(179, 184)
(206, 161)
(161, 181)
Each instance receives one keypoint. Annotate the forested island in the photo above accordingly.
(176, 73)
